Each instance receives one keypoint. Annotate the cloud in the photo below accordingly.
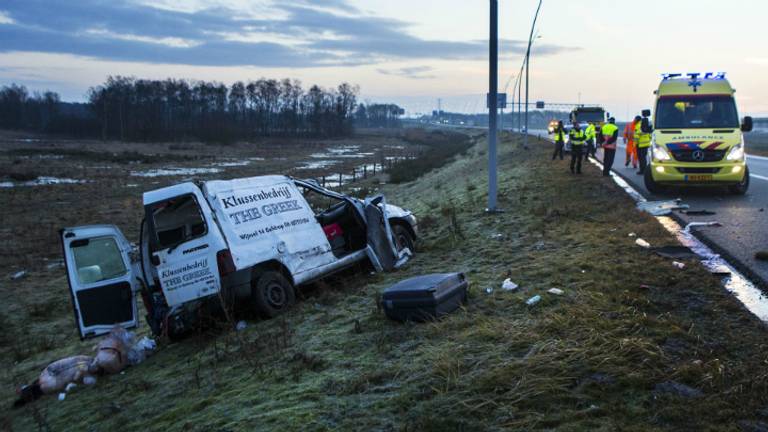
(290, 33)
(416, 72)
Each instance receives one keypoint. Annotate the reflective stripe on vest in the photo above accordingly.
(591, 131)
(641, 138)
(577, 136)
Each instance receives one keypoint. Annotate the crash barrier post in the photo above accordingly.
(340, 179)
(354, 172)
(365, 171)
(323, 181)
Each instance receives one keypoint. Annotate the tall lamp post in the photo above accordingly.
(493, 83)
(527, 64)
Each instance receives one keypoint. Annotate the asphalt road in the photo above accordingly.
(744, 218)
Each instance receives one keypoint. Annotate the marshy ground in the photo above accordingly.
(634, 343)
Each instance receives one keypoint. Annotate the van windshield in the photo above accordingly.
(589, 116)
(177, 221)
(696, 112)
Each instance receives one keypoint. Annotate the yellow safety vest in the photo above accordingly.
(590, 131)
(577, 137)
(641, 138)
(559, 136)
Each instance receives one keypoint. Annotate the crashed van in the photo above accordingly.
(244, 242)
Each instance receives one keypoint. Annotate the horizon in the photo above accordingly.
(403, 53)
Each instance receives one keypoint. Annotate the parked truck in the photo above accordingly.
(210, 245)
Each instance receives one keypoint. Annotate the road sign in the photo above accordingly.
(539, 104)
(501, 100)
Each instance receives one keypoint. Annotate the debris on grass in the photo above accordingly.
(642, 243)
(555, 291)
(241, 325)
(678, 264)
(18, 275)
(698, 212)
(675, 252)
(508, 285)
(661, 208)
(631, 235)
(533, 300)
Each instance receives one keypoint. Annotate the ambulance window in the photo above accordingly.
(176, 221)
(702, 112)
(97, 259)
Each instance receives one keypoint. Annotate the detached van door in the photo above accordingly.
(101, 278)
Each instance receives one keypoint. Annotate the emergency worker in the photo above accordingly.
(559, 140)
(629, 141)
(610, 133)
(577, 139)
(591, 144)
(643, 131)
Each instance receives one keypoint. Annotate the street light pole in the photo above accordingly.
(493, 84)
(527, 64)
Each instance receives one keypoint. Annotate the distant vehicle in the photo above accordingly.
(585, 115)
(697, 138)
(551, 127)
(251, 240)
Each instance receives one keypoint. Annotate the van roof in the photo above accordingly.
(685, 86)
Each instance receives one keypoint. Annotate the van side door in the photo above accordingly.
(102, 278)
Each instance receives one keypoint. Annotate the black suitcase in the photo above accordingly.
(427, 297)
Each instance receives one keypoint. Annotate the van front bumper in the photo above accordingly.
(698, 173)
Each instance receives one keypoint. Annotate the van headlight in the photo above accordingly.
(660, 153)
(736, 153)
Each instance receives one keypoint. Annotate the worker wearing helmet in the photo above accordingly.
(643, 131)
(559, 140)
(610, 133)
(629, 141)
(590, 134)
(577, 137)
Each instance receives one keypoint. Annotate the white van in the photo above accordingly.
(252, 240)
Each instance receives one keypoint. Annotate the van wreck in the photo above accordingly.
(250, 240)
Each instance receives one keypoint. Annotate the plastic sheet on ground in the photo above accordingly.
(555, 291)
(508, 285)
(533, 300)
(661, 208)
(700, 224)
(642, 243)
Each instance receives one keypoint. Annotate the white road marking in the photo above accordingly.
(759, 177)
(749, 156)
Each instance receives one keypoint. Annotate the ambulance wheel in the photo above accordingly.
(272, 294)
(741, 188)
(651, 184)
(403, 238)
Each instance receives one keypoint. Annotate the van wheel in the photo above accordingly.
(651, 184)
(743, 186)
(403, 238)
(272, 294)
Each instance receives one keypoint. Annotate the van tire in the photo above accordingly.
(741, 188)
(651, 184)
(403, 238)
(272, 294)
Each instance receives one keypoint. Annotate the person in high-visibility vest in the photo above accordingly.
(629, 141)
(610, 133)
(643, 141)
(577, 137)
(590, 134)
(559, 140)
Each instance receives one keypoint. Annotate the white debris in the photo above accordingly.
(688, 227)
(62, 396)
(632, 235)
(497, 236)
(508, 285)
(69, 387)
(89, 380)
(18, 275)
(489, 290)
(642, 243)
(533, 300)
(661, 208)
(142, 349)
(555, 291)
(678, 264)
(241, 325)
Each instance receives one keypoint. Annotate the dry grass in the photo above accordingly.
(587, 360)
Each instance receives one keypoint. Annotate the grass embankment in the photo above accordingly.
(588, 360)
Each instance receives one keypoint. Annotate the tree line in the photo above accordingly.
(131, 109)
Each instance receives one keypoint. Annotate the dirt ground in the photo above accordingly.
(633, 343)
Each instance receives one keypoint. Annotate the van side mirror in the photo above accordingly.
(646, 113)
(746, 125)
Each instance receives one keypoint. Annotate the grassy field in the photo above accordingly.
(677, 354)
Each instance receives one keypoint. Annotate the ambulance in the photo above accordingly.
(697, 139)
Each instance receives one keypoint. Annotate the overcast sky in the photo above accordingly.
(410, 52)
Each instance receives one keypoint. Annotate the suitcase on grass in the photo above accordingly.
(424, 298)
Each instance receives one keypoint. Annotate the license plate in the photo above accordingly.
(698, 177)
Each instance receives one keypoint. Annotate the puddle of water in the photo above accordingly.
(42, 181)
(256, 159)
(175, 172)
(735, 282)
(318, 164)
(232, 163)
(44, 157)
